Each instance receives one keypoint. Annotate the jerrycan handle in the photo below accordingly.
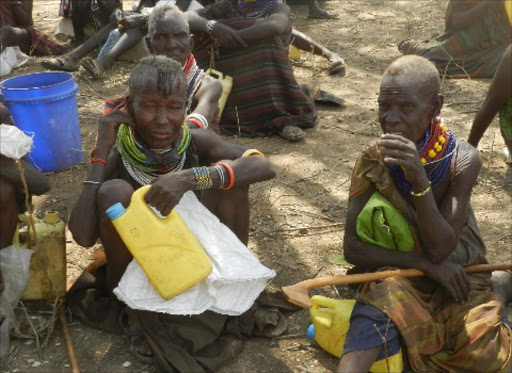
(321, 301)
(117, 210)
(217, 73)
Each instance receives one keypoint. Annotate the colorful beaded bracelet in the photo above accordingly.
(421, 194)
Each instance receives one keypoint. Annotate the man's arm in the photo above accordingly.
(274, 25)
(207, 98)
(37, 183)
(499, 93)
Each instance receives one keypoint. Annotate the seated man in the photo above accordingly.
(265, 98)
(447, 320)
(168, 35)
(476, 35)
(152, 127)
(17, 29)
(499, 98)
(12, 195)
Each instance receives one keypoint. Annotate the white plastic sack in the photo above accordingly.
(13, 142)
(15, 269)
(7, 61)
(11, 58)
(234, 284)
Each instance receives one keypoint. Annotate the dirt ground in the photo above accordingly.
(297, 219)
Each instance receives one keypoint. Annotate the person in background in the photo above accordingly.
(476, 35)
(498, 99)
(17, 30)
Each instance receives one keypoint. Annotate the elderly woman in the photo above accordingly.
(423, 176)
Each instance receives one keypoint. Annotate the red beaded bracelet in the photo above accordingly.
(231, 176)
(96, 160)
(195, 121)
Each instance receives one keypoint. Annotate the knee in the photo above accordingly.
(6, 33)
(113, 191)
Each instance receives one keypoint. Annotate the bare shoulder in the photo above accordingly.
(467, 161)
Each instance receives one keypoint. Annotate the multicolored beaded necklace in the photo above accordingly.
(194, 79)
(435, 152)
(145, 164)
(256, 9)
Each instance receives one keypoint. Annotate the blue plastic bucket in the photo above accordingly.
(44, 104)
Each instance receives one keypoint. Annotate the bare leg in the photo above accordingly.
(118, 256)
(358, 361)
(72, 58)
(499, 93)
(305, 43)
(8, 213)
(316, 12)
(232, 209)
(14, 36)
(127, 40)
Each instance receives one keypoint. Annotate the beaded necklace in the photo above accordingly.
(145, 164)
(194, 78)
(435, 152)
(256, 9)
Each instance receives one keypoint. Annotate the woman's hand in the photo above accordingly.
(166, 191)
(453, 278)
(108, 127)
(402, 152)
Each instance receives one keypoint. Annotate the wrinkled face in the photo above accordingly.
(171, 39)
(406, 108)
(158, 117)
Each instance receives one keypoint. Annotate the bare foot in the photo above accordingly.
(336, 65)
(316, 13)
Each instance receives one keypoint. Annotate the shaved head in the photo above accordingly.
(416, 68)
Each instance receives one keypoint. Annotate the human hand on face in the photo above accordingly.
(166, 191)
(227, 37)
(108, 126)
(453, 278)
(399, 151)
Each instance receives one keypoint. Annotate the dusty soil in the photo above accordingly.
(297, 219)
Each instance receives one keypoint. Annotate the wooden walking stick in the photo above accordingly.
(67, 340)
(298, 293)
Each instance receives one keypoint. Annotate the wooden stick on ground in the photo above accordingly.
(67, 340)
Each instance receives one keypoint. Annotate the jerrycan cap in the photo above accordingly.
(51, 217)
(115, 211)
(311, 331)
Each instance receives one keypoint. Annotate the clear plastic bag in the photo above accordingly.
(15, 271)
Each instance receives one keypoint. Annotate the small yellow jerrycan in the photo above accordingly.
(331, 320)
(294, 53)
(227, 84)
(166, 250)
(48, 263)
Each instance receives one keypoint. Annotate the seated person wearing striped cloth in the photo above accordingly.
(448, 320)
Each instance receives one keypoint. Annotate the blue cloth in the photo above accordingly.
(362, 333)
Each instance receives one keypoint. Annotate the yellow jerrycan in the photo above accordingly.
(331, 319)
(294, 53)
(48, 263)
(227, 84)
(508, 9)
(166, 250)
